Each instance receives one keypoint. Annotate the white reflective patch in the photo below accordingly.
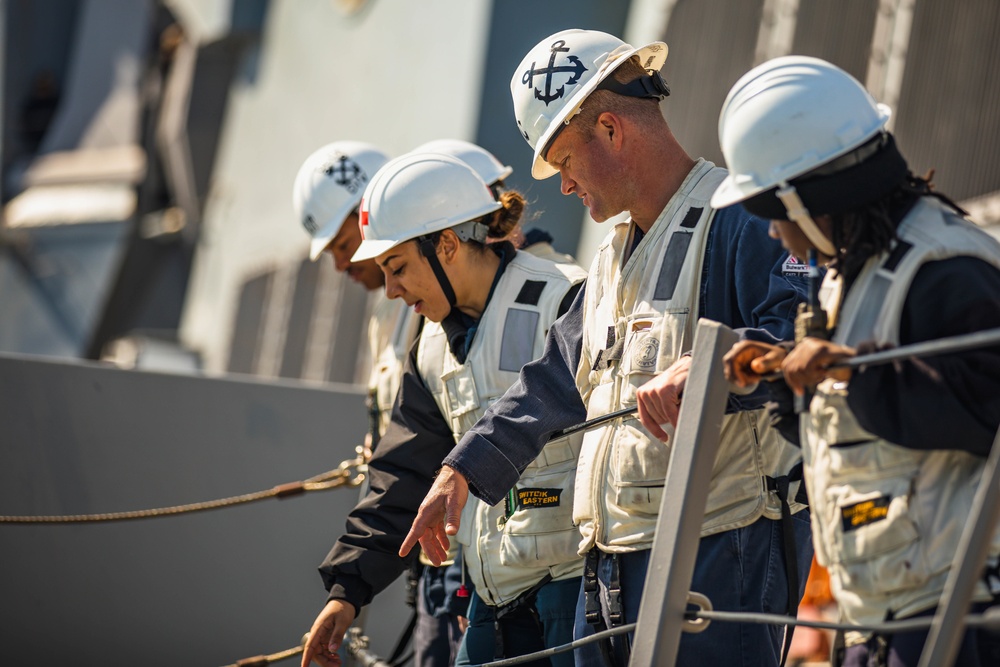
(518, 344)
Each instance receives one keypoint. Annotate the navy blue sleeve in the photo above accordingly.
(745, 282)
(365, 559)
(748, 286)
(944, 402)
(545, 399)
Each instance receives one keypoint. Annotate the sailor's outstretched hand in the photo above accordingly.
(439, 516)
(327, 634)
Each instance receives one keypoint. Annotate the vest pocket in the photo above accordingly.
(652, 343)
(640, 467)
(639, 499)
(864, 458)
(540, 532)
(460, 391)
(875, 543)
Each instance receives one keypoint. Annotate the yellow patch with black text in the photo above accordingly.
(864, 513)
(528, 498)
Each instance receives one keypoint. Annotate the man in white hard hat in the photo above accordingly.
(588, 104)
(325, 197)
(893, 452)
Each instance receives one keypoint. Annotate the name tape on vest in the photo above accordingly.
(866, 512)
(528, 498)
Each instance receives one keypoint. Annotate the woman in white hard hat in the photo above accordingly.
(892, 453)
(425, 219)
(439, 609)
(536, 241)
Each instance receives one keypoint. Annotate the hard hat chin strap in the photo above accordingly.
(428, 250)
(799, 214)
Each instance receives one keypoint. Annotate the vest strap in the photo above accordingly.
(611, 354)
(883, 643)
(616, 611)
(781, 486)
(592, 601)
(614, 653)
(525, 602)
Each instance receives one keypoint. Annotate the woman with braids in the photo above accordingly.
(425, 220)
(892, 453)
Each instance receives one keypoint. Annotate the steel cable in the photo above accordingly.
(988, 619)
(576, 643)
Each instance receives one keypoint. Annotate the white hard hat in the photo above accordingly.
(418, 194)
(329, 186)
(787, 117)
(483, 162)
(558, 74)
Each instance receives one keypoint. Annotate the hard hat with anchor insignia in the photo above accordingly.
(558, 74)
(329, 186)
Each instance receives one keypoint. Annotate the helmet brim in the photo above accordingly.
(372, 249)
(652, 56)
(318, 245)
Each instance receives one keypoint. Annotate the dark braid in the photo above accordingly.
(861, 234)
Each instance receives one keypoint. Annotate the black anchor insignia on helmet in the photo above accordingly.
(575, 67)
(345, 170)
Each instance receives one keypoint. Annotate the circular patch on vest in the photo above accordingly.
(645, 355)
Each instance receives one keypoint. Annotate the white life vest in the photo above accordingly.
(507, 555)
(885, 518)
(392, 329)
(639, 317)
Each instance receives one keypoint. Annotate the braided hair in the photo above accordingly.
(871, 230)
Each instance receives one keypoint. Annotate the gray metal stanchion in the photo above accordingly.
(966, 569)
(685, 493)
